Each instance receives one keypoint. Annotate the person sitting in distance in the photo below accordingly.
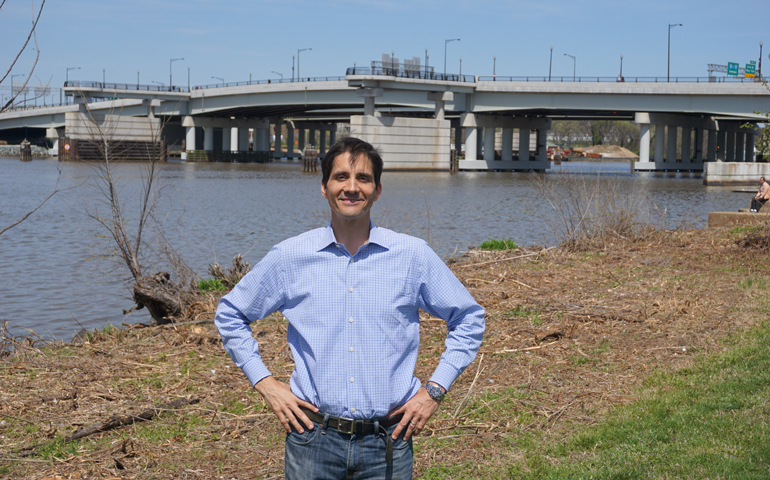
(762, 195)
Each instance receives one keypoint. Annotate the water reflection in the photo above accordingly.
(57, 273)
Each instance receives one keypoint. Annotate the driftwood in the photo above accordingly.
(122, 420)
(159, 295)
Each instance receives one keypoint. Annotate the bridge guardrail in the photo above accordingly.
(125, 86)
(401, 73)
(270, 80)
(554, 79)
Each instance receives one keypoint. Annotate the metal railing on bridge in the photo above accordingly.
(421, 74)
(125, 86)
(270, 80)
(228, 156)
(499, 78)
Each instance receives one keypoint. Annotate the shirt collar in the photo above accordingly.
(377, 236)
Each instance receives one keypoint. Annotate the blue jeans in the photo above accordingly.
(329, 454)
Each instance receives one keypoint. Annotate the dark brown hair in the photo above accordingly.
(355, 147)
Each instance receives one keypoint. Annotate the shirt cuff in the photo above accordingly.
(445, 375)
(255, 371)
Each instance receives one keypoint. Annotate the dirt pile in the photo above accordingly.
(609, 151)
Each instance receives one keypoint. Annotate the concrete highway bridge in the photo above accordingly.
(414, 117)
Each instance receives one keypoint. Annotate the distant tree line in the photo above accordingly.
(581, 133)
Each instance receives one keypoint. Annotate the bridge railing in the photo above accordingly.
(125, 86)
(270, 80)
(570, 79)
(401, 73)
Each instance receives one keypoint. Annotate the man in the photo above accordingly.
(762, 195)
(351, 293)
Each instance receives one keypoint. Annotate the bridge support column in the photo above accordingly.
(660, 139)
(541, 155)
(489, 143)
(471, 139)
(671, 133)
(322, 132)
(190, 139)
(289, 140)
(750, 157)
(479, 142)
(721, 145)
(711, 149)
(277, 153)
(699, 145)
(208, 138)
(332, 134)
(243, 139)
(686, 138)
(740, 152)
(644, 143)
(233, 139)
(226, 138)
(369, 95)
(730, 148)
(301, 140)
(506, 146)
(523, 144)
(440, 99)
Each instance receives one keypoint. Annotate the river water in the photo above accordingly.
(58, 274)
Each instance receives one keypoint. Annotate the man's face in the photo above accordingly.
(350, 189)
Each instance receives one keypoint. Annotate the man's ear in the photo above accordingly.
(323, 190)
(377, 192)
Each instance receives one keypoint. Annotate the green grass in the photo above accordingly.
(494, 244)
(747, 229)
(708, 421)
(211, 285)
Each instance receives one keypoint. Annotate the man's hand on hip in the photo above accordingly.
(285, 405)
(417, 411)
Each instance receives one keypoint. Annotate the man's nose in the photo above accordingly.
(351, 185)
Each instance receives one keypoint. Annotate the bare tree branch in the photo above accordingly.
(32, 35)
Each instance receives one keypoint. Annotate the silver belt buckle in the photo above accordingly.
(343, 422)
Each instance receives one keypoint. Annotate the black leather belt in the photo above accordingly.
(351, 426)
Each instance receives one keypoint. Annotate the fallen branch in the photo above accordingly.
(122, 420)
(524, 349)
(465, 399)
(502, 259)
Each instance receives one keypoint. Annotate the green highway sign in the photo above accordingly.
(751, 69)
(732, 68)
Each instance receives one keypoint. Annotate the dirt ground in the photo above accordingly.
(569, 336)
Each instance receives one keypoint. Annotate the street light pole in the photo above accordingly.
(426, 61)
(137, 78)
(668, 68)
(621, 65)
(445, 43)
(494, 67)
(300, 50)
(574, 64)
(170, 83)
(281, 74)
(759, 73)
(220, 78)
(68, 73)
(292, 68)
(461, 66)
(550, 64)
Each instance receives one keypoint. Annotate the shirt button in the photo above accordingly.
(352, 260)
(352, 380)
(350, 320)
(353, 410)
(351, 289)
(351, 349)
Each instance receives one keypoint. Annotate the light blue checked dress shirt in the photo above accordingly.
(354, 327)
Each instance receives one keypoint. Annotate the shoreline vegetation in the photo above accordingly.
(623, 353)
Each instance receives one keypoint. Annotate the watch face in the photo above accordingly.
(435, 392)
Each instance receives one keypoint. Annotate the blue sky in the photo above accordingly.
(232, 39)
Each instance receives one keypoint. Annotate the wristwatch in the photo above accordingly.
(435, 392)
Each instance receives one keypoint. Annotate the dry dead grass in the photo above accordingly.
(569, 336)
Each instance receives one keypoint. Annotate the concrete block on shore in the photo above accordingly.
(736, 219)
